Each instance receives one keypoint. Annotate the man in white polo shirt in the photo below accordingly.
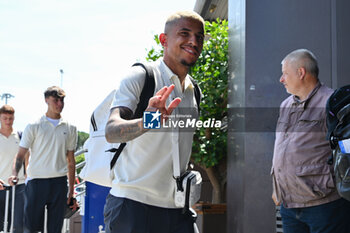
(9, 144)
(142, 195)
(52, 141)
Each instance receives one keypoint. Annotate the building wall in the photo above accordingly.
(342, 47)
(261, 34)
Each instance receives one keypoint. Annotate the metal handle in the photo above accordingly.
(13, 205)
(6, 210)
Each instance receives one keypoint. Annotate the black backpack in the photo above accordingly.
(338, 124)
(98, 161)
(146, 94)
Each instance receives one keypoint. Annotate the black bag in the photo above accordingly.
(338, 124)
(68, 212)
(146, 94)
(98, 172)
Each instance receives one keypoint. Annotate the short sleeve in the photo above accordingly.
(73, 138)
(28, 136)
(129, 90)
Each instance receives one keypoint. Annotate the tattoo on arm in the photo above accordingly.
(120, 127)
(130, 131)
(18, 165)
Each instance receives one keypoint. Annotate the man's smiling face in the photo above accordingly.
(184, 42)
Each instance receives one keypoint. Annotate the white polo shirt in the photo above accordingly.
(49, 145)
(8, 150)
(144, 170)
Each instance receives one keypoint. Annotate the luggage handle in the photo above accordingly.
(13, 205)
(7, 188)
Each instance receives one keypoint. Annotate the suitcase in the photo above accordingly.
(7, 200)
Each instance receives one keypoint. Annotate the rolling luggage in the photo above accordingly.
(7, 189)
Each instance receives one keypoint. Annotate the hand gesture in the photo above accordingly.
(158, 102)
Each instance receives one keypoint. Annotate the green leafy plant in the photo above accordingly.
(82, 137)
(211, 73)
(78, 159)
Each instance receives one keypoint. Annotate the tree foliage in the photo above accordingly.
(211, 72)
(82, 137)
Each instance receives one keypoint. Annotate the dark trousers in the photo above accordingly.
(51, 192)
(127, 216)
(332, 217)
(19, 204)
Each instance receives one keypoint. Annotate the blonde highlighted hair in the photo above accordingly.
(174, 18)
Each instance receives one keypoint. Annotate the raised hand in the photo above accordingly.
(158, 102)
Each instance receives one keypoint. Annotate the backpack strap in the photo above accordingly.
(147, 90)
(146, 93)
(197, 93)
(117, 152)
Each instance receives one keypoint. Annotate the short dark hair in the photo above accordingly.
(54, 91)
(7, 109)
